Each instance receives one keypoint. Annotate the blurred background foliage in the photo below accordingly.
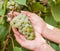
(49, 10)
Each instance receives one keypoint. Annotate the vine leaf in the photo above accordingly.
(17, 49)
(0, 6)
(55, 10)
(2, 20)
(2, 12)
(50, 20)
(3, 32)
(37, 7)
(22, 2)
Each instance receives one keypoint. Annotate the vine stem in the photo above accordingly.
(10, 30)
(5, 43)
(12, 41)
(5, 4)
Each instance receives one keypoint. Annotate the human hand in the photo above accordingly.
(36, 21)
(38, 42)
(29, 44)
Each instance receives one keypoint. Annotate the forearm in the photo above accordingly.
(44, 47)
(52, 33)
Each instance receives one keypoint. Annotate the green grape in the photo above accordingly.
(29, 30)
(22, 23)
(30, 36)
(15, 23)
(20, 30)
(24, 30)
(26, 21)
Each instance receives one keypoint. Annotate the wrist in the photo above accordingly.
(47, 27)
(39, 47)
(44, 47)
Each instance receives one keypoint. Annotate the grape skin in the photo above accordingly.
(22, 23)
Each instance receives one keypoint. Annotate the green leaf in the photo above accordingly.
(26, 49)
(54, 45)
(59, 45)
(0, 6)
(2, 12)
(3, 32)
(37, 7)
(50, 20)
(22, 2)
(2, 20)
(56, 12)
(17, 49)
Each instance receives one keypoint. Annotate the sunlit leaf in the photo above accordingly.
(2, 12)
(56, 12)
(22, 2)
(0, 6)
(2, 20)
(50, 20)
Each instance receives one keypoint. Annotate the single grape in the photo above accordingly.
(30, 36)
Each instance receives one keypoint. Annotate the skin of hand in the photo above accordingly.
(29, 44)
(38, 44)
(52, 33)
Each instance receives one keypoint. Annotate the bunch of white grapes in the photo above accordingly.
(22, 23)
(13, 5)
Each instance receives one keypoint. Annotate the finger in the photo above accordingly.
(16, 13)
(15, 30)
(19, 40)
(9, 19)
(9, 14)
(27, 13)
(18, 34)
(31, 15)
(39, 37)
